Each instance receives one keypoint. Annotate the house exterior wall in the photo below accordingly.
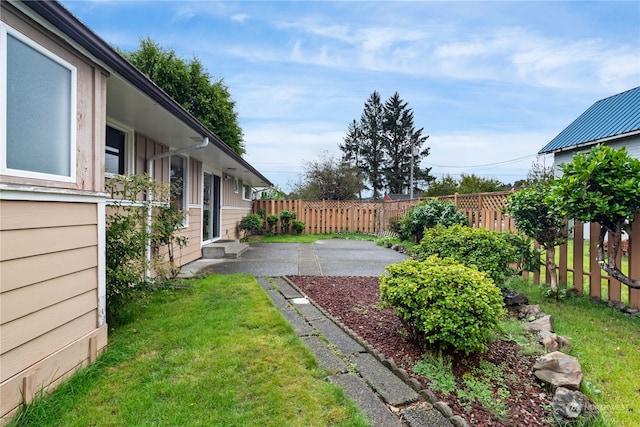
(631, 143)
(234, 208)
(52, 274)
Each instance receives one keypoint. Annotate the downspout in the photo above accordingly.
(150, 163)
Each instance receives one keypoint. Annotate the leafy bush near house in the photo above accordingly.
(127, 237)
(488, 251)
(442, 303)
(429, 214)
(286, 217)
(299, 226)
(251, 223)
(272, 220)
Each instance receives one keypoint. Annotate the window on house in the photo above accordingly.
(178, 179)
(38, 102)
(115, 151)
(246, 192)
(236, 185)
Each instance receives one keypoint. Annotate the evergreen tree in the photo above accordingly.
(384, 144)
(403, 145)
(372, 147)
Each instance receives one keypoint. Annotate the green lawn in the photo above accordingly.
(607, 345)
(217, 354)
(309, 238)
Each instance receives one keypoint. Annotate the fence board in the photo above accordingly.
(578, 255)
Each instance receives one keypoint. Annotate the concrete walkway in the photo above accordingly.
(386, 394)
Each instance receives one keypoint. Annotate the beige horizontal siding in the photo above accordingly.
(26, 243)
(18, 215)
(18, 273)
(38, 323)
(22, 357)
(47, 373)
(23, 301)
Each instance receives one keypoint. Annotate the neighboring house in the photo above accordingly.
(72, 111)
(613, 121)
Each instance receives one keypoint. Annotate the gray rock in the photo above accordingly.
(444, 409)
(529, 312)
(542, 324)
(618, 305)
(512, 298)
(552, 342)
(559, 370)
(568, 405)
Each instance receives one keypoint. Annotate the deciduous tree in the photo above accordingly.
(328, 179)
(193, 87)
(602, 186)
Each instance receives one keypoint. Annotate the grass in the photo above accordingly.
(607, 345)
(216, 354)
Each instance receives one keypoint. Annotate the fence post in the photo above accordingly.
(595, 282)
(634, 261)
(578, 256)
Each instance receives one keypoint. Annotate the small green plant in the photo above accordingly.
(437, 369)
(429, 214)
(489, 251)
(286, 217)
(272, 220)
(251, 224)
(299, 226)
(442, 303)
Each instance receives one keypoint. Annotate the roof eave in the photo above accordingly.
(56, 14)
(589, 143)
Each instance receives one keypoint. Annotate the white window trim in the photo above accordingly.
(185, 188)
(129, 147)
(250, 192)
(236, 185)
(4, 170)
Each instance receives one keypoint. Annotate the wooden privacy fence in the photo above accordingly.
(576, 262)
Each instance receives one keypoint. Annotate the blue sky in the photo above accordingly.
(491, 82)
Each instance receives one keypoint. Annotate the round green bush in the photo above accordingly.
(429, 214)
(489, 251)
(299, 226)
(251, 223)
(442, 303)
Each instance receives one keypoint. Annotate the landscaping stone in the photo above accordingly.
(287, 290)
(544, 323)
(424, 417)
(376, 411)
(336, 336)
(512, 298)
(569, 405)
(327, 359)
(391, 388)
(552, 342)
(559, 370)
(529, 312)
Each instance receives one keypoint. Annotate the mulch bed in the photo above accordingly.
(354, 301)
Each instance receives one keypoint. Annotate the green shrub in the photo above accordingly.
(286, 217)
(272, 220)
(429, 214)
(251, 223)
(442, 303)
(299, 226)
(394, 225)
(488, 251)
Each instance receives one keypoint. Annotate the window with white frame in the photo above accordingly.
(246, 192)
(38, 103)
(178, 180)
(236, 185)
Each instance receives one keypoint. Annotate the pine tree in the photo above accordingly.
(372, 148)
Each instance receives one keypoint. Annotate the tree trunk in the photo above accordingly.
(551, 268)
(610, 265)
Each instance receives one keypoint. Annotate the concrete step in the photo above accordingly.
(224, 249)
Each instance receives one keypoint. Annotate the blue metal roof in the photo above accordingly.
(613, 116)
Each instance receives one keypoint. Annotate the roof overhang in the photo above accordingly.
(590, 143)
(135, 101)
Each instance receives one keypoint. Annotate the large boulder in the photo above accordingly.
(559, 370)
(544, 323)
(569, 405)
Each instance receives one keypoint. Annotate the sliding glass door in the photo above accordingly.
(211, 207)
